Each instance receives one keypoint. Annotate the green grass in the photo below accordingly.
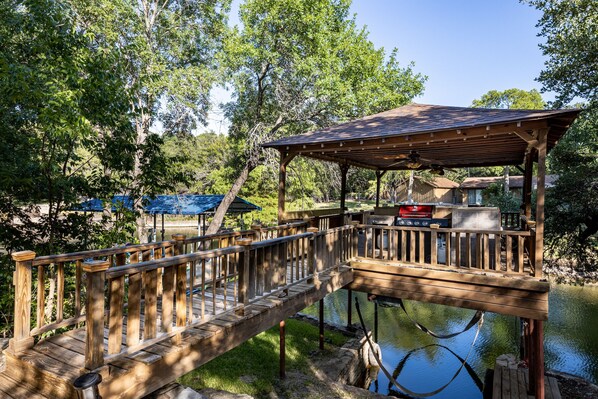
(257, 360)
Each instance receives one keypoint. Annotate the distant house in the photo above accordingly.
(440, 189)
(473, 187)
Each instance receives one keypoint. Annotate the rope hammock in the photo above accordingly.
(480, 322)
(474, 376)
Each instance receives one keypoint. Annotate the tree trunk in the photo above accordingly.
(228, 199)
(410, 188)
(142, 128)
(506, 177)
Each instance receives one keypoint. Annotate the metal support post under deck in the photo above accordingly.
(376, 321)
(321, 323)
(282, 364)
(349, 307)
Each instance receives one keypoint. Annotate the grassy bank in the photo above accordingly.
(252, 368)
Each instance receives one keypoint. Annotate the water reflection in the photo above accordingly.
(472, 374)
(571, 339)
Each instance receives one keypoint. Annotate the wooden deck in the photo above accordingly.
(514, 384)
(144, 315)
(50, 367)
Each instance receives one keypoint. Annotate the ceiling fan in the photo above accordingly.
(414, 160)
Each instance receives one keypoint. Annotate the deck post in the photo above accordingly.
(321, 322)
(354, 239)
(244, 256)
(285, 158)
(379, 174)
(541, 180)
(527, 183)
(94, 320)
(282, 363)
(179, 247)
(257, 231)
(312, 263)
(344, 171)
(536, 367)
(22, 319)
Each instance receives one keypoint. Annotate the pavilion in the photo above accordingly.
(433, 137)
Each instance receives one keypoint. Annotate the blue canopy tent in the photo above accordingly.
(188, 204)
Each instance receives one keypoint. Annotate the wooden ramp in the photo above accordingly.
(513, 384)
(50, 367)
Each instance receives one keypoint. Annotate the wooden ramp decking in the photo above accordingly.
(50, 367)
(513, 384)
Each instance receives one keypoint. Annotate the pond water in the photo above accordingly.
(421, 365)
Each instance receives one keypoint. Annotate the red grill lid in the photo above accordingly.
(415, 211)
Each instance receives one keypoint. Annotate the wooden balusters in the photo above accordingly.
(115, 320)
(168, 285)
(434, 245)
(134, 308)
(244, 264)
(150, 284)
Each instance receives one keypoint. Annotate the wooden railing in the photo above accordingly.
(510, 220)
(195, 288)
(335, 246)
(159, 289)
(152, 292)
(49, 288)
(500, 251)
(283, 230)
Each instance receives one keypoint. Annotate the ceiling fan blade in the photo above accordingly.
(399, 162)
(397, 157)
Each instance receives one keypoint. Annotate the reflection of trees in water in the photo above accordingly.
(571, 330)
(395, 375)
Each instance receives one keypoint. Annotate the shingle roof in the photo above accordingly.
(174, 204)
(415, 118)
(440, 135)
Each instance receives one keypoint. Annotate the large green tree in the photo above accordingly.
(58, 93)
(297, 65)
(167, 49)
(506, 99)
(570, 30)
(510, 99)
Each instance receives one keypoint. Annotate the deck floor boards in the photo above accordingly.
(513, 384)
(59, 359)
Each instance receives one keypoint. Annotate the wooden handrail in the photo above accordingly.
(251, 270)
(498, 251)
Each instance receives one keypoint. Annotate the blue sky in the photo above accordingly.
(465, 47)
